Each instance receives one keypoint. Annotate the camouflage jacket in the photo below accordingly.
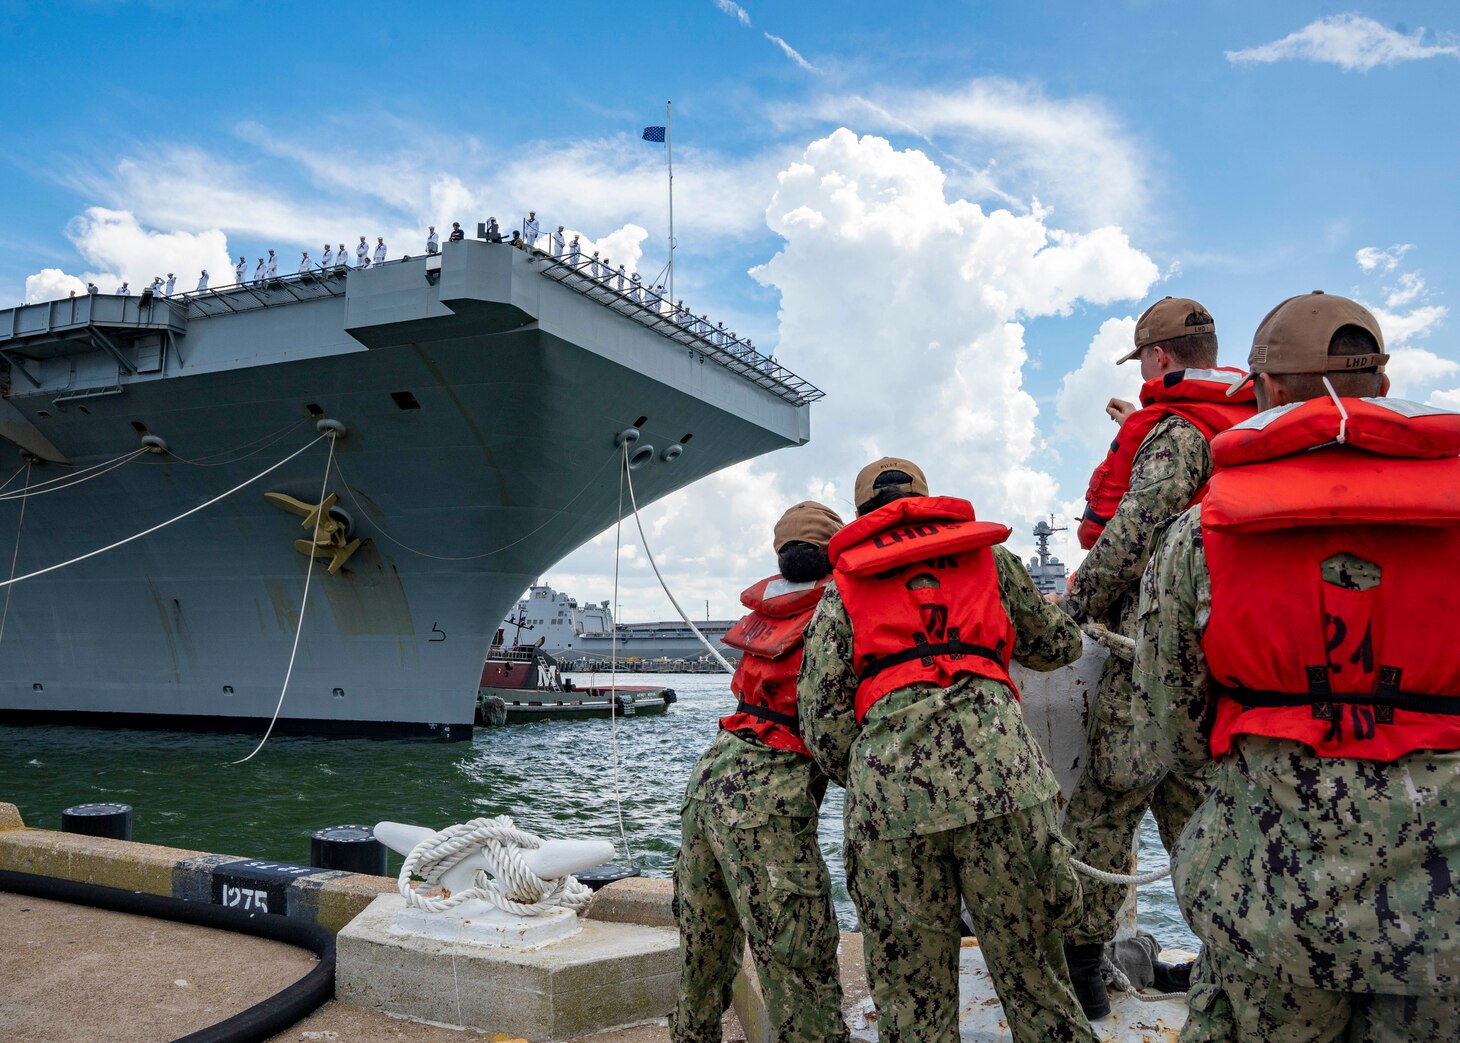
(1171, 465)
(748, 782)
(1332, 873)
(929, 759)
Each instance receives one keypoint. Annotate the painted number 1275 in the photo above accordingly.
(245, 898)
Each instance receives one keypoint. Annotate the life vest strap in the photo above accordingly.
(954, 648)
(765, 713)
(1412, 702)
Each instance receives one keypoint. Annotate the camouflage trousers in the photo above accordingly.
(1014, 875)
(1111, 798)
(1230, 1003)
(759, 877)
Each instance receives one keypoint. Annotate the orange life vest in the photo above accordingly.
(771, 639)
(1198, 396)
(948, 623)
(1371, 674)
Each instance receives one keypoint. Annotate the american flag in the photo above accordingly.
(654, 133)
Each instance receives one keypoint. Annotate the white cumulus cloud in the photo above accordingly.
(116, 247)
(1083, 393)
(1370, 258)
(907, 306)
(1350, 41)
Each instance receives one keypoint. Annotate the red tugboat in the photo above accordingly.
(524, 683)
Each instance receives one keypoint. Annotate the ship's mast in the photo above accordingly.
(669, 152)
(1042, 532)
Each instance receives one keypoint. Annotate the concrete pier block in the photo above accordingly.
(607, 975)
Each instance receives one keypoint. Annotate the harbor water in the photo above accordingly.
(556, 778)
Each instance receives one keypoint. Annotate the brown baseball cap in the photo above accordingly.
(808, 521)
(865, 487)
(1167, 318)
(1294, 337)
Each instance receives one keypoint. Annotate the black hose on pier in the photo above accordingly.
(264, 1019)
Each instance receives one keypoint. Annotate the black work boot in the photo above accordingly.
(1172, 977)
(1084, 964)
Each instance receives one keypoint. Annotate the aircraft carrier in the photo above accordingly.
(485, 397)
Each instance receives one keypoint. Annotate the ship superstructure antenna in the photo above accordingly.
(1042, 532)
(669, 154)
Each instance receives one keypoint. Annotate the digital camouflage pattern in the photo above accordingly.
(1119, 783)
(1330, 874)
(1229, 1003)
(929, 758)
(1021, 891)
(948, 795)
(749, 868)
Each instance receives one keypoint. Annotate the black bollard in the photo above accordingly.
(596, 877)
(352, 849)
(99, 820)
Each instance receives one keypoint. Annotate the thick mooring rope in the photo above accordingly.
(507, 883)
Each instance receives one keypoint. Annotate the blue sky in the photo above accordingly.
(1236, 153)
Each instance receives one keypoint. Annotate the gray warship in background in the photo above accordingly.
(484, 394)
(576, 633)
(1050, 575)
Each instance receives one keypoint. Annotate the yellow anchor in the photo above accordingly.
(329, 540)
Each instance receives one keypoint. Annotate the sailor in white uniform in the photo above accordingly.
(171, 282)
(327, 258)
(124, 290)
(238, 270)
(530, 230)
(433, 242)
(575, 252)
(203, 280)
(271, 266)
(156, 286)
(594, 269)
(380, 250)
(557, 238)
(621, 277)
(361, 252)
(637, 290)
(258, 271)
(304, 264)
(342, 259)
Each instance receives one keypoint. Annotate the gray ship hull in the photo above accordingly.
(500, 461)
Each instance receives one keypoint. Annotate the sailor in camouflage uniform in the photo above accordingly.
(947, 794)
(749, 865)
(1158, 464)
(1298, 626)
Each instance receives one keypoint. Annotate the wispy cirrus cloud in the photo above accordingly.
(792, 53)
(1350, 41)
(734, 10)
(1073, 153)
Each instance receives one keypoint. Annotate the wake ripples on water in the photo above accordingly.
(553, 777)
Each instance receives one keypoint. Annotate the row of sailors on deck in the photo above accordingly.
(627, 284)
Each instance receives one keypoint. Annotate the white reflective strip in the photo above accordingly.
(777, 587)
(1261, 420)
(1406, 408)
(1217, 376)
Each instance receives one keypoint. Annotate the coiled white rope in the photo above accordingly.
(160, 525)
(657, 575)
(507, 883)
(1118, 878)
